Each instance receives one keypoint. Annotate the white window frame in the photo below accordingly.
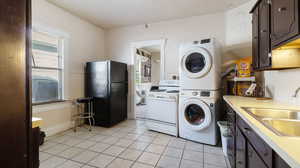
(62, 54)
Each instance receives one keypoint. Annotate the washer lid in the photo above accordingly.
(196, 62)
(196, 114)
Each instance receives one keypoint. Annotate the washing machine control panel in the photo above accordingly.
(201, 93)
(204, 94)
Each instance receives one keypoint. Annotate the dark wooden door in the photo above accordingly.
(264, 34)
(284, 20)
(241, 150)
(15, 115)
(254, 161)
(255, 41)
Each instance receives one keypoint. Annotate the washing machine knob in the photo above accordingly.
(194, 93)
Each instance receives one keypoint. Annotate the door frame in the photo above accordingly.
(133, 47)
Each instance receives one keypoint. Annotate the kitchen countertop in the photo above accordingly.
(288, 148)
(36, 122)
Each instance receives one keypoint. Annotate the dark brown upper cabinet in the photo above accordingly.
(284, 21)
(275, 33)
(261, 48)
(255, 40)
(264, 34)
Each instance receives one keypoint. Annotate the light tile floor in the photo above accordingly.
(126, 145)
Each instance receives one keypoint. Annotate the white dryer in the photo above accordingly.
(200, 65)
(198, 115)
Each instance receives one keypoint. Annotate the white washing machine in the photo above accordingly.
(198, 115)
(200, 65)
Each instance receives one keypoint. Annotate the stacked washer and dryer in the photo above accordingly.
(200, 75)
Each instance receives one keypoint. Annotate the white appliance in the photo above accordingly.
(162, 113)
(200, 65)
(198, 115)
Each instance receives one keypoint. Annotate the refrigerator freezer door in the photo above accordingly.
(96, 79)
(118, 72)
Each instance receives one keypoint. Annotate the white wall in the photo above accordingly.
(238, 40)
(283, 84)
(85, 43)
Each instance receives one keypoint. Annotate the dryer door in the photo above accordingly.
(196, 114)
(196, 62)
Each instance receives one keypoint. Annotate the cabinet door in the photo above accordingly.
(284, 20)
(264, 34)
(232, 135)
(279, 162)
(241, 149)
(255, 42)
(263, 149)
(254, 161)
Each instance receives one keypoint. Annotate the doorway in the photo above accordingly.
(148, 69)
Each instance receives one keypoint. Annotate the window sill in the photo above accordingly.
(49, 102)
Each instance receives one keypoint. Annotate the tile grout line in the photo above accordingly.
(182, 155)
(131, 130)
(125, 148)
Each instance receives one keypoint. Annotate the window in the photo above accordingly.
(47, 67)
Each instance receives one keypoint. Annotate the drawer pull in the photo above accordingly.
(282, 9)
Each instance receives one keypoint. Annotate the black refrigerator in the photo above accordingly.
(107, 83)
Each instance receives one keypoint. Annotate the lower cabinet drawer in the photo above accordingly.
(263, 149)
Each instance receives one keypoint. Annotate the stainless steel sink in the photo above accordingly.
(283, 122)
(284, 127)
(273, 113)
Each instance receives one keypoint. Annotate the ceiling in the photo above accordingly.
(117, 13)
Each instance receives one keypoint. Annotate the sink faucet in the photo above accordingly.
(296, 92)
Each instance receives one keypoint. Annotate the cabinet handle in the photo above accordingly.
(247, 130)
(282, 9)
(263, 31)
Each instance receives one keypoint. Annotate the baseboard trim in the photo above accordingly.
(58, 128)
